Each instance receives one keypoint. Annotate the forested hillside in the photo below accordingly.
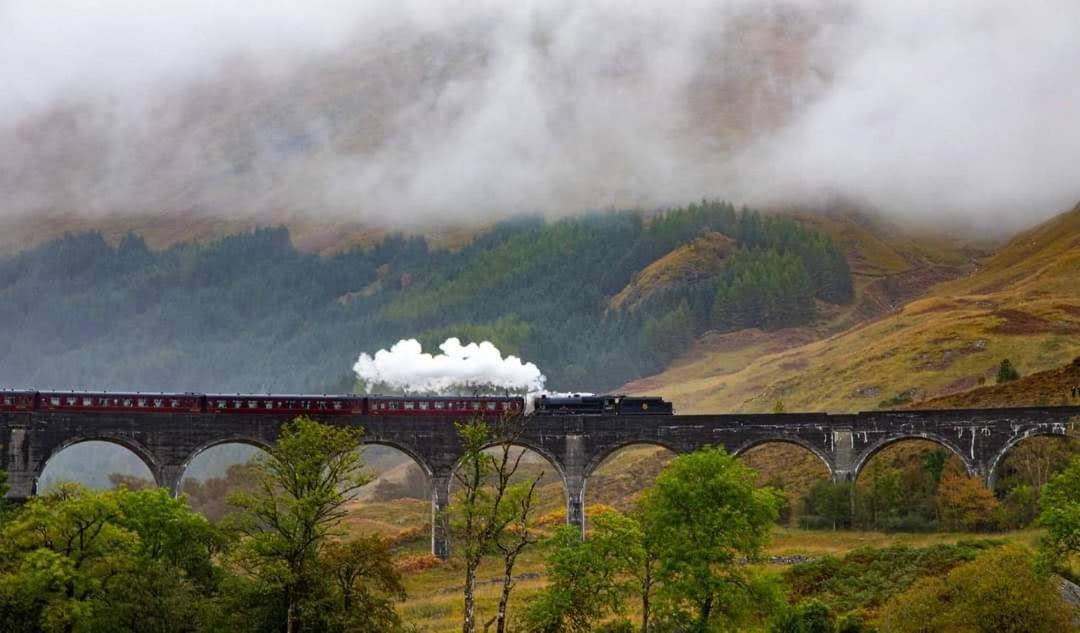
(251, 312)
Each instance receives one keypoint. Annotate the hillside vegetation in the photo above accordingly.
(1022, 303)
(1044, 388)
(251, 312)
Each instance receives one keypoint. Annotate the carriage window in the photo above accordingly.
(393, 406)
(54, 402)
(142, 402)
(8, 401)
(128, 402)
(268, 404)
(476, 406)
(424, 404)
(337, 406)
(409, 404)
(174, 403)
(218, 404)
(491, 406)
(440, 405)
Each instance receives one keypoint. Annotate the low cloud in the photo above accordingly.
(413, 112)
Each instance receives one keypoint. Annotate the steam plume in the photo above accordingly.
(459, 368)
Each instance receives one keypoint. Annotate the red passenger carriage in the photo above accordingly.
(486, 406)
(285, 405)
(11, 400)
(133, 402)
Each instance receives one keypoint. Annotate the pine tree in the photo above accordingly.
(1006, 372)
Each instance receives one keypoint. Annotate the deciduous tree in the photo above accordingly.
(964, 503)
(1061, 515)
(490, 512)
(303, 483)
(707, 515)
(592, 579)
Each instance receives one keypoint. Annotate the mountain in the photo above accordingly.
(1022, 302)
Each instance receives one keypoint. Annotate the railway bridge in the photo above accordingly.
(574, 445)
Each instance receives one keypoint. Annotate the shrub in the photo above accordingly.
(999, 592)
(809, 616)
(866, 578)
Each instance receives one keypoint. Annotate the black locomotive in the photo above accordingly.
(602, 405)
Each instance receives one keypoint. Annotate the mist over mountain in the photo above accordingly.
(408, 113)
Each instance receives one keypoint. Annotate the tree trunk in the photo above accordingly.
(645, 613)
(504, 599)
(469, 621)
(290, 612)
(706, 611)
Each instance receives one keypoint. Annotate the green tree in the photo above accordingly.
(363, 585)
(998, 592)
(303, 483)
(80, 560)
(1060, 516)
(933, 462)
(829, 502)
(707, 513)
(879, 496)
(491, 512)
(1006, 372)
(588, 580)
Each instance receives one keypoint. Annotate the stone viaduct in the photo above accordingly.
(574, 445)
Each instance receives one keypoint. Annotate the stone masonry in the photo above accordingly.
(575, 445)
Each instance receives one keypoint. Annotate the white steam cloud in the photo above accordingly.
(459, 368)
(407, 112)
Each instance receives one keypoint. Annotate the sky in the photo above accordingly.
(418, 111)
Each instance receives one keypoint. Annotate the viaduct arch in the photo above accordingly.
(575, 445)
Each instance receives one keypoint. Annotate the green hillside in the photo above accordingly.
(252, 312)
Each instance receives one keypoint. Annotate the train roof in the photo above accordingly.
(444, 398)
(73, 392)
(284, 395)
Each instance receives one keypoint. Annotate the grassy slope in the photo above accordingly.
(699, 259)
(1022, 303)
(1050, 387)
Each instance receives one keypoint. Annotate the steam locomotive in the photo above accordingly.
(323, 405)
(603, 405)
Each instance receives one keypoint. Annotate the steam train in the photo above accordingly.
(603, 405)
(323, 405)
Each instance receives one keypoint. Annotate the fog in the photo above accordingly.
(410, 112)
